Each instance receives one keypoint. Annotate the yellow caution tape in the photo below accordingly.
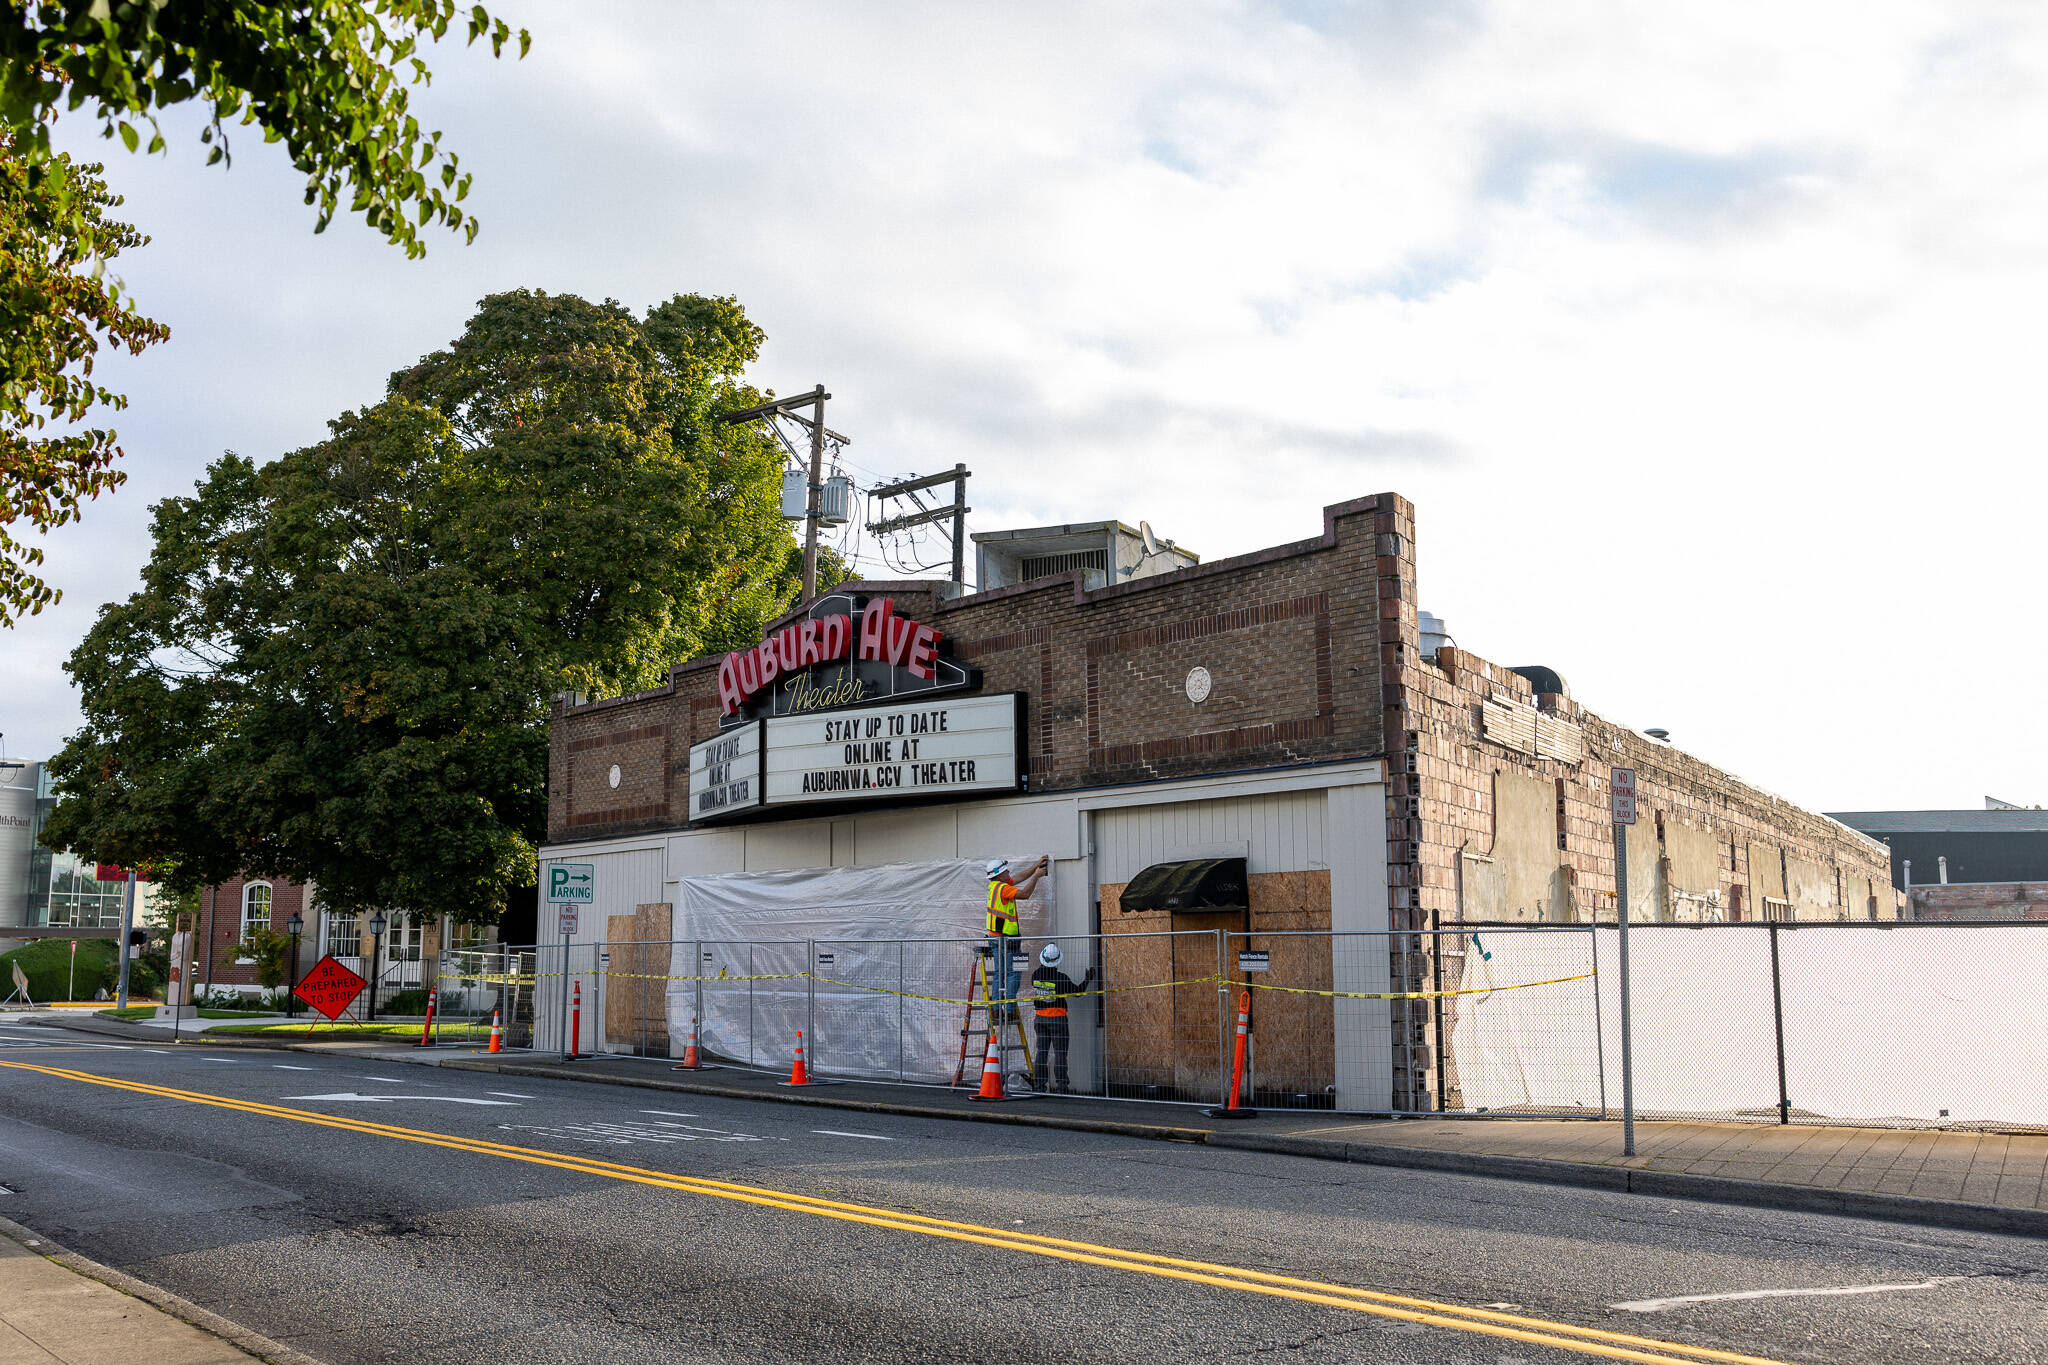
(1417, 995)
(1064, 995)
(1016, 1000)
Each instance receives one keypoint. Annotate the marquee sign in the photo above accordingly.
(918, 750)
(849, 650)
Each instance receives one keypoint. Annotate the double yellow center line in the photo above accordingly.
(1488, 1322)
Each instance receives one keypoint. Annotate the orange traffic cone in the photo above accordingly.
(797, 1074)
(991, 1073)
(497, 1035)
(427, 1029)
(689, 1062)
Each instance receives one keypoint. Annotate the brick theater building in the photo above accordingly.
(1121, 711)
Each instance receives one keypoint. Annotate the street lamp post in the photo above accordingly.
(293, 926)
(376, 943)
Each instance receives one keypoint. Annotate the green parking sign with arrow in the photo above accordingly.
(572, 883)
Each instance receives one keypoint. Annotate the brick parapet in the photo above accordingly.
(1290, 636)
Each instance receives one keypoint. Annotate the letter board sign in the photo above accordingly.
(725, 773)
(934, 748)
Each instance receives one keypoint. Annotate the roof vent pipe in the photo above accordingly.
(1941, 866)
(1435, 635)
(1661, 736)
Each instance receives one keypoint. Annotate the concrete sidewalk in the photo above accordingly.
(57, 1306)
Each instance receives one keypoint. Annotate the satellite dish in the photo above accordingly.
(1145, 534)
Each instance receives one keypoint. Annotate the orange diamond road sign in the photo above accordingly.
(329, 987)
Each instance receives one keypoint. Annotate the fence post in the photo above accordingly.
(1436, 959)
(811, 1002)
(750, 1005)
(1223, 1031)
(1778, 1022)
(697, 970)
(900, 986)
(1599, 1031)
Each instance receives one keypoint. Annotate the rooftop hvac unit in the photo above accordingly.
(835, 504)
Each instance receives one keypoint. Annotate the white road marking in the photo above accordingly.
(871, 1137)
(231, 1061)
(510, 1094)
(158, 1051)
(669, 1113)
(282, 1067)
(385, 1080)
(623, 1134)
(351, 1097)
(1658, 1305)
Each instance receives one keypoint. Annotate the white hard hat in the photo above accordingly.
(1049, 955)
(998, 866)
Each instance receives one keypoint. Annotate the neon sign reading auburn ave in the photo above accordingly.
(880, 635)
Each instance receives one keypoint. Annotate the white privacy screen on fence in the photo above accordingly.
(1937, 1024)
(853, 929)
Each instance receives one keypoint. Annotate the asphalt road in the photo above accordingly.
(374, 1212)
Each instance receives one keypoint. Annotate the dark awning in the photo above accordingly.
(1197, 885)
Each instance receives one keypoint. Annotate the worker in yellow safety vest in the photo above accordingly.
(1005, 889)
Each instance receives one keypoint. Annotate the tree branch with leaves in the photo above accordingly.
(332, 80)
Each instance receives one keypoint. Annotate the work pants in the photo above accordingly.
(1003, 977)
(1052, 1052)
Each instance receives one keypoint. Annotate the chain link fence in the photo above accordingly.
(1896, 1024)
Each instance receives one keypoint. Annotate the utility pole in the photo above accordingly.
(814, 499)
(127, 927)
(815, 504)
(957, 510)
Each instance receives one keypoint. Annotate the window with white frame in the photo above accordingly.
(344, 935)
(255, 907)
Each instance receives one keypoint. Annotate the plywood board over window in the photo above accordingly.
(1169, 1036)
(635, 1003)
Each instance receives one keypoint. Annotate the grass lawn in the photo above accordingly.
(462, 1031)
(132, 1012)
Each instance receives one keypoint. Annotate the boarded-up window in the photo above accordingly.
(1514, 724)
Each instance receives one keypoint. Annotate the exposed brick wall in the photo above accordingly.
(221, 929)
(1289, 636)
(1830, 866)
(1981, 900)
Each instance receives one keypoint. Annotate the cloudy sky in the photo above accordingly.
(1705, 338)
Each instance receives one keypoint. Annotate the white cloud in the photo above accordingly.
(1702, 337)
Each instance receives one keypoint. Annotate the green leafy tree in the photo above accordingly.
(268, 949)
(59, 307)
(339, 667)
(330, 79)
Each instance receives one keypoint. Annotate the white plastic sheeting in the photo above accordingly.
(1936, 1024)
(873, 938)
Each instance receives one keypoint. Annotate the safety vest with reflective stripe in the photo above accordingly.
(1002, 915)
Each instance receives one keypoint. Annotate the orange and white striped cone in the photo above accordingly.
(798, 1075)
(427, 1029)
(689, 1062)
(991, 1074)
(497, 1035)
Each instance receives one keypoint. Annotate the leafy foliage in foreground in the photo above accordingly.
(57, 308)
(330, 79)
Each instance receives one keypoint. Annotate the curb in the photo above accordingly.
(184, 1310)
(1712, 1189)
